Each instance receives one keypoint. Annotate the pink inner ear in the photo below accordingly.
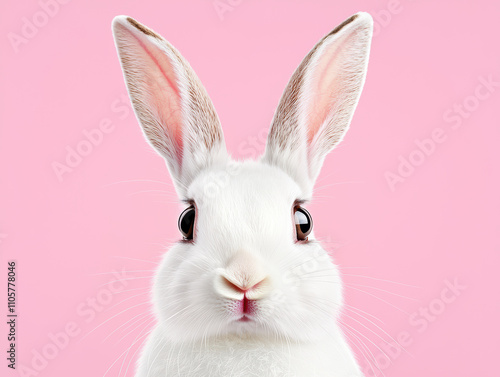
(161, 91)
(323, 90)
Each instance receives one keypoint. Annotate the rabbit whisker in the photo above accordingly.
(109, 319)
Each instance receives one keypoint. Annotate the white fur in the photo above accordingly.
(244, 231)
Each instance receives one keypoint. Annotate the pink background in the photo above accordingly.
(116, 209)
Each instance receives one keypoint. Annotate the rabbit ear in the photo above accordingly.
(318, 104)
(176, 114)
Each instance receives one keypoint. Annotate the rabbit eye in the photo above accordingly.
(186, 222)
(303, 223)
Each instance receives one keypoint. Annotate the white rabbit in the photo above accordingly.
(247, 291)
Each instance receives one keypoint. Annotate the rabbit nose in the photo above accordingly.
(237, 290)
(243, 277)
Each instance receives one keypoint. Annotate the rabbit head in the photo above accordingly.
(248, 264)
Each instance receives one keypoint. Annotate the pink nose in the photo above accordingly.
(244, 277)
(229, 288)
(241, 287)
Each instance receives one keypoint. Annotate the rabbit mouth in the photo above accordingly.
(244, 310)
(245, 318)
(247, 306)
